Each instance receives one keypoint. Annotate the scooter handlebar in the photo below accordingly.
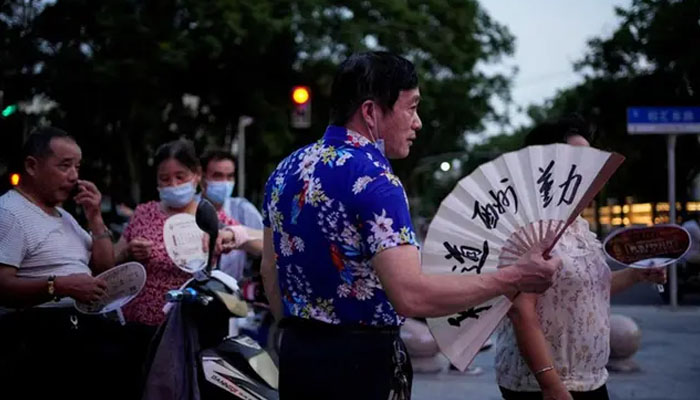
(187, 295)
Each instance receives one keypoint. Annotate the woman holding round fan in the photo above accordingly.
(555, 345)
(178, 174)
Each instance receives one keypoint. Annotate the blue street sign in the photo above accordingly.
(663, 120)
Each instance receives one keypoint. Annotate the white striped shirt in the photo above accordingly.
(40, 245)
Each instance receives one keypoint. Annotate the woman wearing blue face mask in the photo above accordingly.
(178, 173)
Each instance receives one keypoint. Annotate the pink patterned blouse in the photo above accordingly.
(574, 316)
(161, 273)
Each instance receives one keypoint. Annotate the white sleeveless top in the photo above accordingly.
(574, 315)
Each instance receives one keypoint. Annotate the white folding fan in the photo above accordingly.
(504, 208)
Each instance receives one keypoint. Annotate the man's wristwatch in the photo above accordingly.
(52, 288)
(105, 234)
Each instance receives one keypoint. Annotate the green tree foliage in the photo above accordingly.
(119, 68)
(649, 60)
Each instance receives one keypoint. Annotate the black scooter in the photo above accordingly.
(230, 365)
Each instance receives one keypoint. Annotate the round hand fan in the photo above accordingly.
(647, 247)
(505, 207)
(184, 242)
(124, 282)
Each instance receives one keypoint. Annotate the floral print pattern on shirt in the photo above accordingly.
(332, 206)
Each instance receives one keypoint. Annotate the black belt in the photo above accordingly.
(312, 325)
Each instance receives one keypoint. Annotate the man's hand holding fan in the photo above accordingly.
(514, 207)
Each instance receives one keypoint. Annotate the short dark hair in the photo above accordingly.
(215, 155)
(38, 144)
(375, 75)
(181, 150)
(558, 131)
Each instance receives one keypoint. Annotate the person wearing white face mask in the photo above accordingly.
(217, 187)
(178, 174)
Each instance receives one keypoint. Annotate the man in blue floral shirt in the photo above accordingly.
(332, 206)
(340, 258)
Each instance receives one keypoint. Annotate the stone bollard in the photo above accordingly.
(424, 352)
(624, 342)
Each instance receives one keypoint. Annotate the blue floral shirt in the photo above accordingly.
(332, 206)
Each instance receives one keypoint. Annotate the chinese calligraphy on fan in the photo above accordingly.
(470, 313)
(503, 200)
(462, 254)
(547, 188)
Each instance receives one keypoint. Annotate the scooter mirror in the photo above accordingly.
(208, 221)
(206, 217)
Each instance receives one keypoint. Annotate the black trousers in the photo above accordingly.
(599, 394)
(318, 361)
(61, 353)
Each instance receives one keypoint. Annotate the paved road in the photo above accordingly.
(669, 358)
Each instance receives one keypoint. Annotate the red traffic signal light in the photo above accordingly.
(301, 95)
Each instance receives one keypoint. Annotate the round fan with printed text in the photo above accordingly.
(520, 200)
(183, 242)
(124, 282)
(647, 247)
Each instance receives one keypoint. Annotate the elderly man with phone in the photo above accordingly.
(47, 262)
